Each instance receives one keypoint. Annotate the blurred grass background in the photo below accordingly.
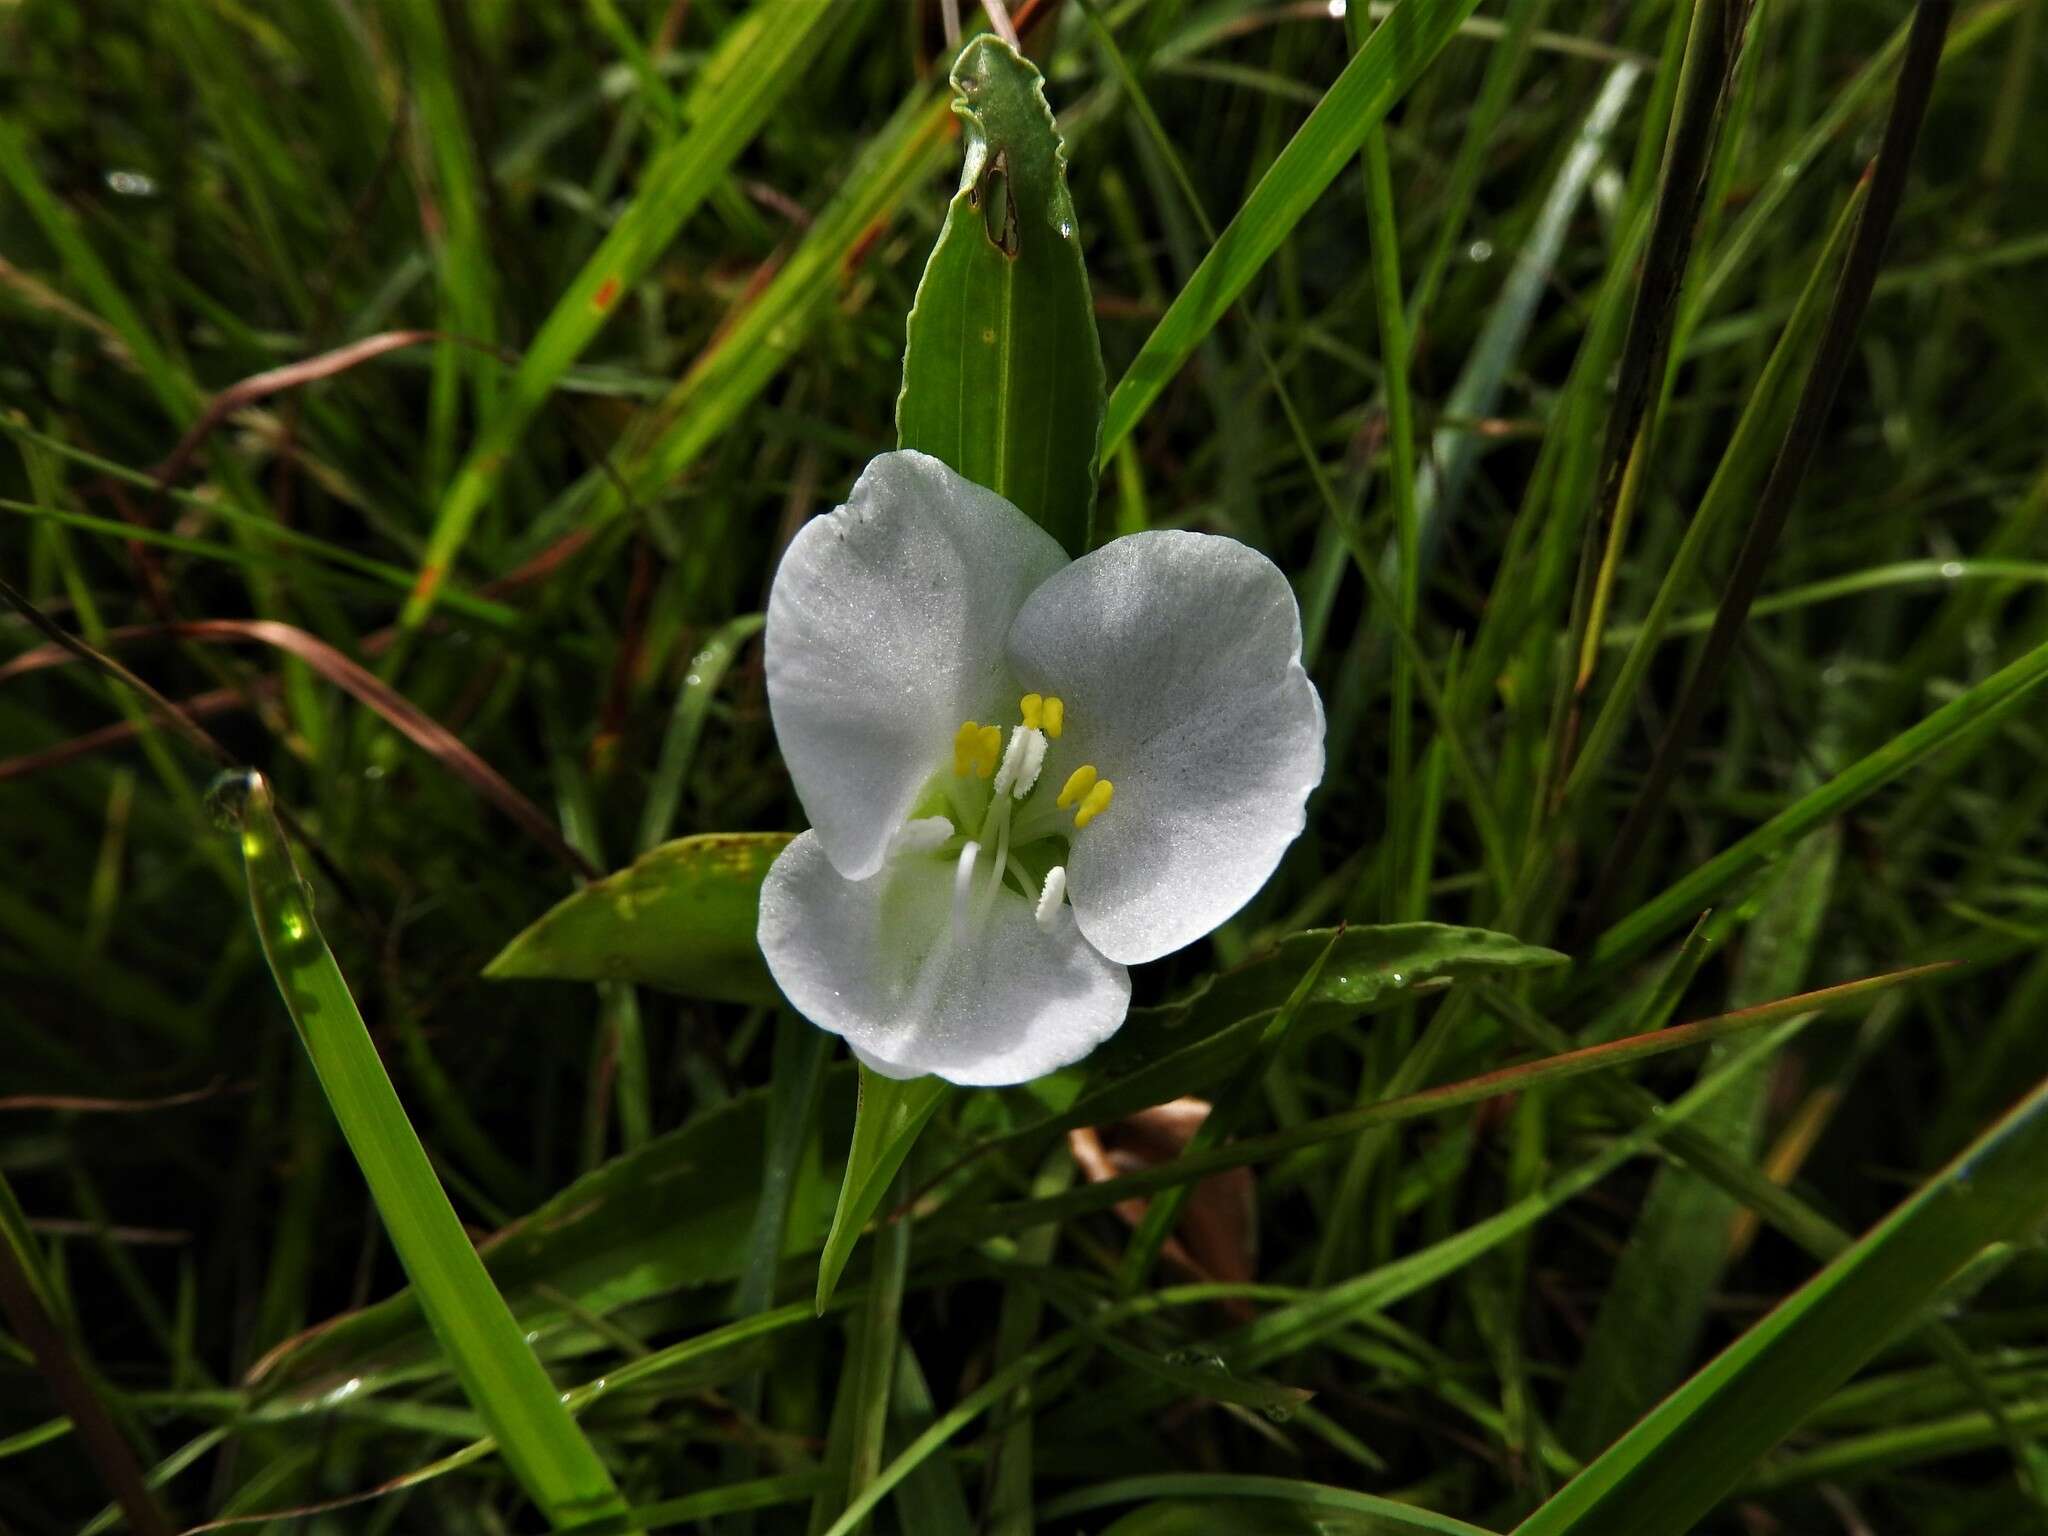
(596, 477)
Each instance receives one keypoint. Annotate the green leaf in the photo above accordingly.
(1378, 75)
(1164, 1052)
(1697, 1445)
(677, 1212)
(499, 1372)
(1002, 368)
(892, 1112)
(680, 918)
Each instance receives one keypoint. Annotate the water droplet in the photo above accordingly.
(1789, 170)
(1398, 979)
(1951, 569)
(374, 772)
(131, 184)
(1280, 1413)
(1066, 230)
(1480, 250)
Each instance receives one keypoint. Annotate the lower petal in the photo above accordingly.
(876, 962)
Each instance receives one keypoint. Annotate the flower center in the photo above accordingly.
(1019, 832)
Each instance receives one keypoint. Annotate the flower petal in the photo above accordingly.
(1179, 658)
(875, 961)
(885, 631)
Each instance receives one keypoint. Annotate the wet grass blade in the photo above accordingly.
(499, 1373)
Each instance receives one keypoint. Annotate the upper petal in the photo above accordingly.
(1179, 658)
(875, 961)
(885, 630)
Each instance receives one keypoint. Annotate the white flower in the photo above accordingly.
(1023, 773)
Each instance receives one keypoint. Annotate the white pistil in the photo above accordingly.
(925, 834)
(963, 883)
(1022, 761)
(1032, 765)
(1053, 896)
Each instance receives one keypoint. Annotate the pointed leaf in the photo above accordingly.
(1002, 368)
(680, 918)
(892, 1112)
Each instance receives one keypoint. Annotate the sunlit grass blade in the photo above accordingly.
(1976, 709)
(1377, 77)
(1697, 1445)
(973, 1225)
(765, 329)
(489, 1353)
(759, 61)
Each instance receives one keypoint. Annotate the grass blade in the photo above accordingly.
(1774, 503)
(490, 1356)
(759, 61)
(1381, 72)
(1694, 1448)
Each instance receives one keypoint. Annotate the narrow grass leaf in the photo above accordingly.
(498, 1370)
(758, 62)
(1975, 709)
(1378, 75)
(1266, 1499)
(1697, 1445)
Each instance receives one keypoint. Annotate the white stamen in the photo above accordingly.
(1053, 895)
(1033, 762)
(963, 882)
(926, 834)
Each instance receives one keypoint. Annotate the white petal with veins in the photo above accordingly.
(885, 630)
(875, 961)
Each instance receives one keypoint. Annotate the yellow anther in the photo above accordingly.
(1032, 707)
(1079, 782)
(976, 748)
(1096, 803)
(1055, 717)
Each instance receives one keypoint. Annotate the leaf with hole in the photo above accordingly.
(1002, 369)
